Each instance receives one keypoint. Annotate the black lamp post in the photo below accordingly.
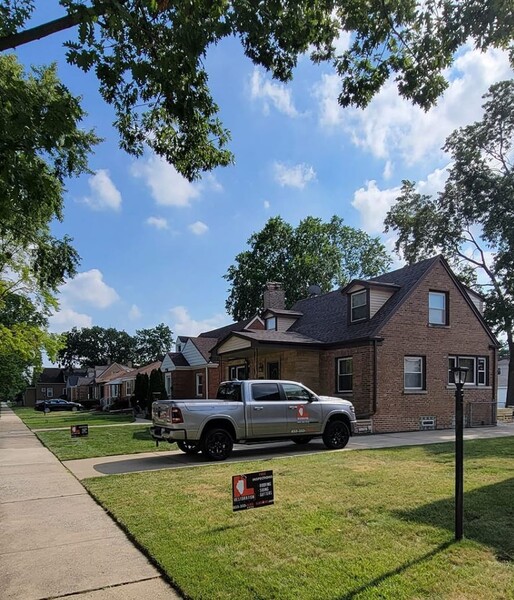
(459, 378)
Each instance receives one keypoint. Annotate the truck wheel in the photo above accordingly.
(217, 444)
(336, 435)
(189, 447)
(302, 439)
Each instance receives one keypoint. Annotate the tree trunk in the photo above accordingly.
(510, 381)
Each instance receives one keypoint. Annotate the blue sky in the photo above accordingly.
(155, 248)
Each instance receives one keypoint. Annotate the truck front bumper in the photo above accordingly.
(166, 434)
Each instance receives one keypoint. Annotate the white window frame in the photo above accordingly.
(271, 323)
(353, 306)
(438, 310)
(199, 384)
(233, 372)
(43, 390)
(348, 360)
(476, 371)
(129, 387)
(167, 384)
(49, 393)
(421, 373)
(114, 390)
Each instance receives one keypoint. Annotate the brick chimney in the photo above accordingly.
(274, 296)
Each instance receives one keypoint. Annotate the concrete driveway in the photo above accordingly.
(153, 461)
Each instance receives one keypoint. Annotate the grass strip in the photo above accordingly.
(38, 420)
(101, 441)
(345, 525)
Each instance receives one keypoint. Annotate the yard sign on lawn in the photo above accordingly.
(252, 490)
(79, 431)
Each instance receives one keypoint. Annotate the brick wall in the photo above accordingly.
(362, 395)
(408, 333)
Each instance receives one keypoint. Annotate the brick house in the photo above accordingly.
(190, 372)
(387, 344)
(51, 384)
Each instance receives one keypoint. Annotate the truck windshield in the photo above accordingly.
(229, 391)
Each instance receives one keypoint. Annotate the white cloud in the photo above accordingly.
(104, 194)
(157, 222)
(89, 287)
(297, 176)
(266, 204)
(209, 182)
(198, 228)
(184, 324)
(66, 318)
(167, 186)
(134, 313)
(374, 203)
(388, 170)
(391, 125)
(271, 93)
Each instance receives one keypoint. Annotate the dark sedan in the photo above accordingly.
(49, 405)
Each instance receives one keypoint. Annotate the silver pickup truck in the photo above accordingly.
(252, 411)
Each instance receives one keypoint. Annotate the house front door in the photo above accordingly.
(274, 370)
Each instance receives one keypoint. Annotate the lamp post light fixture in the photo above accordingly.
(459, 378)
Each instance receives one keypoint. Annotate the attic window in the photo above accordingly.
(271, 323)
(359, 304)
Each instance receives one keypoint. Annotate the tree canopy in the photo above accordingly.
(325, 254)
(41, 145)
(96, 345)
(149, 55)
(472, 220)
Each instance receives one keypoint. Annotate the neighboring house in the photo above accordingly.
(107, 386)
(503, 377)
(51, 384)
(189, 372)
(387, 343)
(123, 384)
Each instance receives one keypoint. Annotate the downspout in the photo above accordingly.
(375, 377)
(494, 405)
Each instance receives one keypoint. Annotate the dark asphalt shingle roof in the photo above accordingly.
(278, 337)
(51, 375)
(205, 345)
(326, 317)
(224, 331)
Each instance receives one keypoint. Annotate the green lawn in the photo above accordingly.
(345, 525)
(101, 441)
(39, 420)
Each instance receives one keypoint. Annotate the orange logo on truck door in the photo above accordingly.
(302, 415)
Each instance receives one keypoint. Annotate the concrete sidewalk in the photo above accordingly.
(175, 459)
(55, 541)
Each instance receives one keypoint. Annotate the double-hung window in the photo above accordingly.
(438, 308)
(345, 374)
(414, 373)
(199, 384)
(359, 306)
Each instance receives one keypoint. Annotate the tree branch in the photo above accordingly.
(41, 31)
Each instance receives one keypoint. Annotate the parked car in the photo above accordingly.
(53, 404)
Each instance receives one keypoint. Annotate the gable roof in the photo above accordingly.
(51, 375)
(204, 346)
(222, 332)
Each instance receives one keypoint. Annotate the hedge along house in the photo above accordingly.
(387, 343)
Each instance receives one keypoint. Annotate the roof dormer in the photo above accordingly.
(366, 298)
(280, 320)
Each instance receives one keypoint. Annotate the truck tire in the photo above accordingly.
(217, 444)
(189, 447)
(336, 435)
